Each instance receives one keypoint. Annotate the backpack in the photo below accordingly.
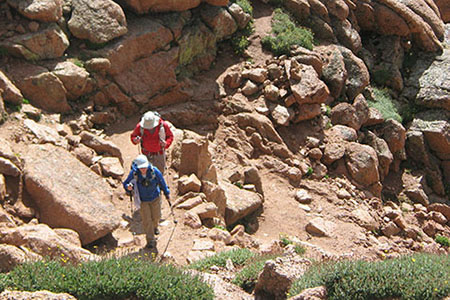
(162, 132)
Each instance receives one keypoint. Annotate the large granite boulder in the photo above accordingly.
(98, 21)
(43, 88)
(47, 43)
(240, 203)
(68, 194)
(10, 93)
(39, 10)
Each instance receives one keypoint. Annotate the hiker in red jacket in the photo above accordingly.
(155, 136)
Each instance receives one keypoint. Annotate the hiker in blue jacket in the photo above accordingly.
(146, 182)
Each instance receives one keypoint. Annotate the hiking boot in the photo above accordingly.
(151, 245)
(156, 231)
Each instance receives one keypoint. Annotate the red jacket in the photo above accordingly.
(150, 140)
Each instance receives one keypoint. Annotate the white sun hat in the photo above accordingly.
(149, 120)
(141, 161)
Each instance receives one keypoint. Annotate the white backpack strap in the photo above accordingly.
(162, 132)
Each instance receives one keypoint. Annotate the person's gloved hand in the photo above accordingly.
(136, 139)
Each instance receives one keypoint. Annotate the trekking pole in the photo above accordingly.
(131, 204)
(171, 211)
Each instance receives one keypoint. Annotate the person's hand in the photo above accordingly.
(136, 139)
(130, 187)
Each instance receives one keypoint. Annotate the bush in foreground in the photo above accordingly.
(237, 256)
(418, 277)
(108, 279)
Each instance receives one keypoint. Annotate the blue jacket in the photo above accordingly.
(150, 191)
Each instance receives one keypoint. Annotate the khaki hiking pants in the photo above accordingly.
(150, 214)
(158, 160)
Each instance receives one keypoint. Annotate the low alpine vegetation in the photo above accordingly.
(417, 277)
(248, 276)
(122, 278)
(237, 256)
(383, 102)
(285, 34)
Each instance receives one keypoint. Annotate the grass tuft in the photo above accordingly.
(237, 256)
(285, 34)
(417, 277)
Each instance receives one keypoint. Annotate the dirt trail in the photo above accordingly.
(281, 214)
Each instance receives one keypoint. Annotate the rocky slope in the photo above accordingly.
(284, 145)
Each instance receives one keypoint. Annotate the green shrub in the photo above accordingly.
(443, 240)
(309, 171)
(383, 101)
(285, 33)
(299, 249)
(237, 256)
(25, 101)
(419, 277)
(239, 41)
(247, 277)
(108, 279)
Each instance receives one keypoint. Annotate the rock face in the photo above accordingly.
(144, 6)
(98, 21)
(43, 295)
(68, 194)
(49, 42)
(430, 88)
(42, 88)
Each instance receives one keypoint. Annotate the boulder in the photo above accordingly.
(364, 219)
(278, 275)
(345, 114)
(205, 210)
(84, 154)
(68, 194)
(74, 78)
(189, 184)
(316, 293)
(307, 112)
(262, 124)
(42, 88)
(242, 18)
(8, 168)
(11, 93)
(42, 240)
(195, 157)
(347, 34)
(339, 133)
(435, 126)
(100, 145)
(10, 257)
(145, 6)
(144, 37)
(362, 163)
(217, 234)
(240, 203)
(357, 73)
(427, 83)
(219, 20)
(384, 155)
(43, 133)
(39, 10)
(47, 43)
(320, 227)
(111, 166)
(334, 73)
(305, 83)
(332, 153)
(417, 151)
(98, 21)
(282, 115)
